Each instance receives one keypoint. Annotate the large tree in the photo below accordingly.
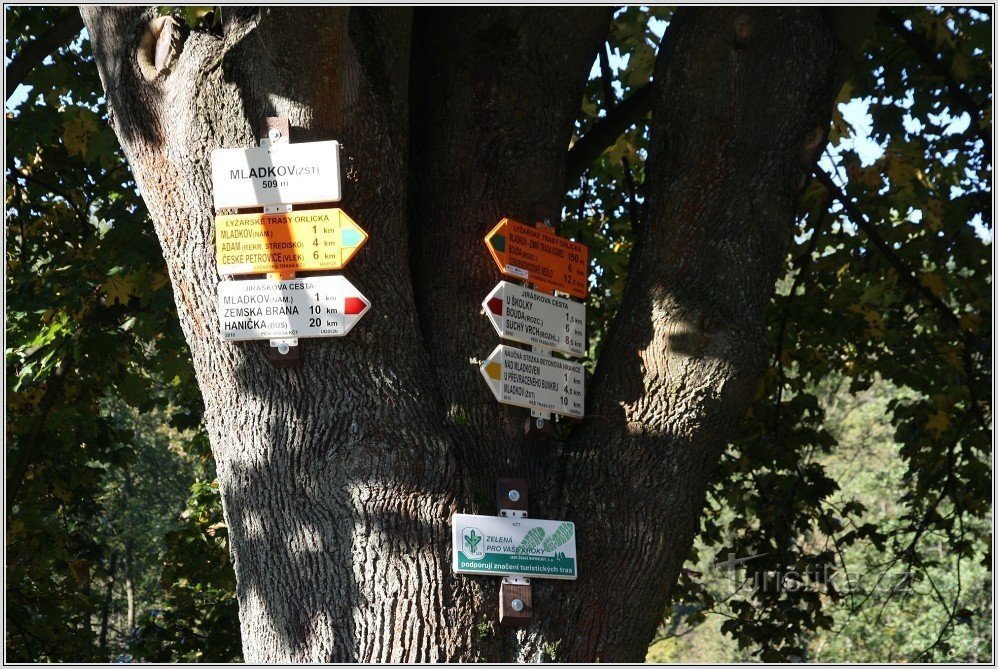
(339, 479)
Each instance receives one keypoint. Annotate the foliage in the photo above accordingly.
(888, 286)
(882, 615)
(90, 317)
(139, 504)
(199, 620)
(894, 283)
(606, 210)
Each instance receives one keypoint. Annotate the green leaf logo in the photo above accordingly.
(473, 543)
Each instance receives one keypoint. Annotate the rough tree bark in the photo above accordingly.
(339, 479)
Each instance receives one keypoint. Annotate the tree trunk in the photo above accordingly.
(339, 479)
(105, 614)
(129, 551)
(129, 591)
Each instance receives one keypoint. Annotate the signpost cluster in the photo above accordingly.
(281, 241)
(535, 379)
(298, 232)
(511, 545)
(515, 547)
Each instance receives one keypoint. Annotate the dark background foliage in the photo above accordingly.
(868, 447)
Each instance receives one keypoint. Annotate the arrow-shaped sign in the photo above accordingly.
(535, 380)
(292, 242)
(530, 317)
(317, 306)
(539, 256)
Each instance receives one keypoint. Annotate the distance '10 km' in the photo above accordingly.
(318, 306)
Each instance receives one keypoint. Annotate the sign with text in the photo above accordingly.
(318, 306)
(302, 173)
(291, 242)
(530, 317)
(539, 256)
(535, 380)
(527, 547)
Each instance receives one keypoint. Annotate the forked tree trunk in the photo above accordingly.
(339, 479)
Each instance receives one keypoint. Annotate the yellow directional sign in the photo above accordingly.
(293, 242)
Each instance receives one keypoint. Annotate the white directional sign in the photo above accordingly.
(498, 546)
(535, 380)
(278, 174)
(530, 317)
(318, 306)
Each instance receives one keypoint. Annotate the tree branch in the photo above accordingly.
(36, 51)
(690, 325)
(26, 456)
(605, 131)
(929, 56)
(634, 208)
(968, 339)
(606, 78)
(804, 263)
(906, 274)
(609, 104)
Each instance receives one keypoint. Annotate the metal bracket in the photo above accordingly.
(277, 130)
(284, 353)
(512, 513)
(538, 426)
(516, 604)
(285, 343)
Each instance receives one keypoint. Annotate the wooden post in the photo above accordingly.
(511, 496)
(536, 426)
(516, 606)
(283, 353)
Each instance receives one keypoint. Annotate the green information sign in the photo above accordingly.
(497, 546)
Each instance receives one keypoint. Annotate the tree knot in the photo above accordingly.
(743, 27)
(158, 47)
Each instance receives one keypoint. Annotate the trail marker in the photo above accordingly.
(286, 242)
(531, 317)
(519, 547)
(541, 257)
(535, 380)
(278, 173)
(318, 306)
